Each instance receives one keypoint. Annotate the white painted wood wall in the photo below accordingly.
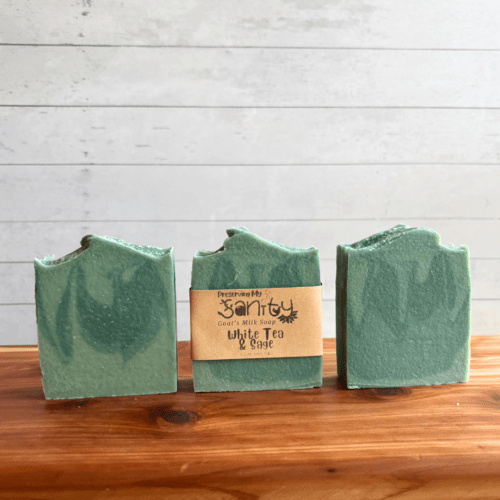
(311, 122)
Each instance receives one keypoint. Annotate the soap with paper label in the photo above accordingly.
(403, 310)
(106, 320)
(247, 261)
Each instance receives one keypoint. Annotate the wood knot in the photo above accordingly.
(179, 417)
(494, 400)
(495, 397)
(68, 404)
(386, 392)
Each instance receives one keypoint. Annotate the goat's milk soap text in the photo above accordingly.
(403, 310)
(106, 320)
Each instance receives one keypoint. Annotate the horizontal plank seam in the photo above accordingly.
(322, 259)
(177, 261)
(344, 164)
(180, 106)
(31, 262)
(253, 47)
(185, 301)
(186, 221)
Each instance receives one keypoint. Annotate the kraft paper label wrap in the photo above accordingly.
(256, 323)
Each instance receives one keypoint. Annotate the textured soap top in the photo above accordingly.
(403, 310)
(106, 320)
(248, 261)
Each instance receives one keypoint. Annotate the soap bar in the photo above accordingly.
(107, 320)
(247, 261)
(403, 310)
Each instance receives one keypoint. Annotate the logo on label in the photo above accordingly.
(256, 307)
(290, 318)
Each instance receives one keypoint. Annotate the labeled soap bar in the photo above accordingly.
(252, 263)
(107, 320)
(403, 310)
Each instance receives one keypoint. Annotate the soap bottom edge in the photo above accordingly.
(242, 375)
(59, 398)
(260, 389)
(386, 386)
(62, 398)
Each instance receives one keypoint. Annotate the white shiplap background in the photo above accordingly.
(312, 122)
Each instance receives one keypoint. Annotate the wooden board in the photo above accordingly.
(228, 136)
(311, 122)
(248, 77)
(448, 24)
(187, 193)
(248, 136)
(424, 442)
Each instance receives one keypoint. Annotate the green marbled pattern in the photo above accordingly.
(106, 320)
(403, 310)
(247, 261)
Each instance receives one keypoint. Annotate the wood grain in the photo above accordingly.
(448, 24)
(421, 442)
(118, 76)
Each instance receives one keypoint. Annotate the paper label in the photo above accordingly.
(256, 323)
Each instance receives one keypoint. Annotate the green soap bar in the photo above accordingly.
(106, 320)
(403, 310)
(247, 261)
